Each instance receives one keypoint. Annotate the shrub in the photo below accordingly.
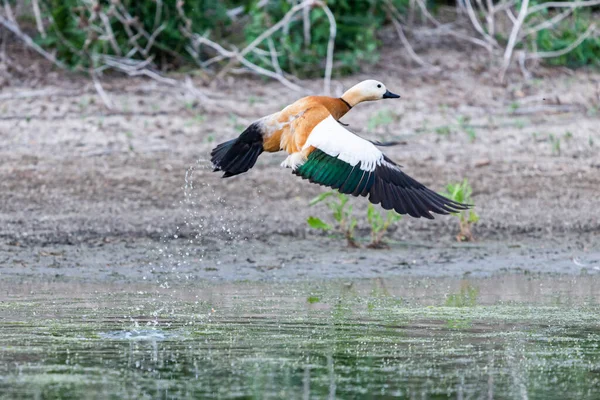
(345, 223)
(567, 32)
(461, 192)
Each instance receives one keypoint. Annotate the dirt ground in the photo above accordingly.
(128, 194)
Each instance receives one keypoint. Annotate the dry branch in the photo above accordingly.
(478, 27)
(549, 23)
(567, 4)
(330, 47)
(38, 18)
(235, 57)
(512, 40)
(549, 54)
(103, 96)
(393, 14)
(475, 22)
(14, 28)
(445, 28)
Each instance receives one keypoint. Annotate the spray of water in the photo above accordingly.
(211, 220)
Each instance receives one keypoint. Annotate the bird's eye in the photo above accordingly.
(379, 85)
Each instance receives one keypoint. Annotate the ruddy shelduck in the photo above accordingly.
(323, 151)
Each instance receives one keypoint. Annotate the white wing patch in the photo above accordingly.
(335, 140)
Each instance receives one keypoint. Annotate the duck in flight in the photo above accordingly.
(323, 151)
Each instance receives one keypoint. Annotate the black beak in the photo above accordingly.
(390, 95)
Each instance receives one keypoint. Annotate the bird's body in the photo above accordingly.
(321, 150)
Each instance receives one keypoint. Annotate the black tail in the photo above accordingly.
(238, 155)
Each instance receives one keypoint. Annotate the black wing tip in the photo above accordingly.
(387, 144)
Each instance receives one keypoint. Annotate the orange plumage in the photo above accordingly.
(321, 150)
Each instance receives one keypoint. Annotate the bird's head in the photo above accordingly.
(368, 90)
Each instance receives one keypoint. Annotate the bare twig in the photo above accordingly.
(407, 45)
(27, 94)
(567, 4)
(14, 28)
(270, 74)
(478, 27)
(9, 13)
(330, 46)
(38, 18)
(558, 53)
(511, 16)
(98, 86)
(445, 29)
(157, 15)
(523, 66)
(234, 12)
(490, 20)
(110, 34)
(284, 21)
(512, 40)
(152, 38)
(274, 59)
(234, 56)
(306, 25)
(548, 23)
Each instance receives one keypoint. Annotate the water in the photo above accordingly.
(505, 337)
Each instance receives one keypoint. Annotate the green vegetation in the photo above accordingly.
(463, 122)
(355, 43)
(381, 118)
(313, 299)
(555, 143)
(564, 34)
(75, 45)
(461, 192)
(443, 130)
(92, 36)
(467, 297)
(379, 226)
(345, 223)
(73, 32)
(278, 339)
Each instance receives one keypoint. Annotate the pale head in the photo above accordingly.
(368, 90)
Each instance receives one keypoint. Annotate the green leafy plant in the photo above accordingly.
(555, 143)
(72, 32)
(461, 192)
(568, 135)
(379, 226)
(443, 130)
(345, 223)
(463, 123)
(381, 118)
(356, 40)
(562, 35)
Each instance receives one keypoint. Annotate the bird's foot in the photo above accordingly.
(293, 161)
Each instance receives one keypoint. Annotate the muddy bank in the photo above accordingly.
(110, 187)
(285, 258)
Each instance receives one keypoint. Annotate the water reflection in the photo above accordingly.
(504, 337)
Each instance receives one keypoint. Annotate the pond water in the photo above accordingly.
(504, 337)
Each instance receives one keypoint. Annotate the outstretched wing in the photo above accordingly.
(343, 161)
